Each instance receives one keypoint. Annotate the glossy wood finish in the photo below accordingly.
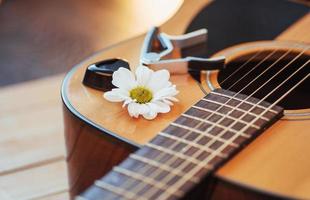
(185, 85)
(248, 169)
(89, 150)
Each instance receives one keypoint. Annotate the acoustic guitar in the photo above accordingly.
(241, 132)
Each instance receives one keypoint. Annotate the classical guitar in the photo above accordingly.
(239, 131)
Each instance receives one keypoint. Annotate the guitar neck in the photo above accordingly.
(189, 149)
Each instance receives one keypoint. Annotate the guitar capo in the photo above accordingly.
(162, 51)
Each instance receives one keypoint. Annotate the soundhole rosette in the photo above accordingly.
(261, 67)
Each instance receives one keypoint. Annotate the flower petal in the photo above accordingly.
(127, 101)
(152, 112)
(172, 99)
(167, 102)
(165, 92)
(161, 107)
(143, 75)
(124, 79)
(150, 115)
(159, 80)
(133, 109)
(143, 108)
(116, 95)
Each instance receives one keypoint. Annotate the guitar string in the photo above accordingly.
(252, 69)
(278, 72)
(292, 88)
(158, 172)
(196, 127)
(258, 53)
(161, 155)
(189, 132)
(169, 175)
(269, 67)
(241, 66)
(273, 104)
(278, 100)
(226, 78)
(256, 90)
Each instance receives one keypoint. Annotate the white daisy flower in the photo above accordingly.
(146, 93)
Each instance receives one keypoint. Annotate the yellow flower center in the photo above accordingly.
(141, 94)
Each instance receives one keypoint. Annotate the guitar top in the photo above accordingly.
(261, 96)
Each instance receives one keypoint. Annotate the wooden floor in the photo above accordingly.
(32, 164)
(32, 150)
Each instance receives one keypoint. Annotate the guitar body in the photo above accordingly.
(100, 134)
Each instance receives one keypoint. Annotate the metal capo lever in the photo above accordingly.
(159, 52)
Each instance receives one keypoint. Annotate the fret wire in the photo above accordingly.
(205, 165)
(148, 180)
(224, 104)
(267, 109)
(257, 117)
(230, 97)
(199, 137)
(160, 156)
(218, 125)
(252, 104)
(243, 114)
(223, 146)
(210, 157)
(177, 154)
(156, 164)
(213, 139)
(253, 115)
(259, 102)
(204, 147)
(233, 123)
(116, 190)
(203, 133)
(223, 115)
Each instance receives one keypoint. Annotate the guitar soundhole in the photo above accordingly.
(249, 72)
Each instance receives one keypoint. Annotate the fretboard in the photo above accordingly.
(189, 149)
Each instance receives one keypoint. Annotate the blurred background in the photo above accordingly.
(40, 40)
